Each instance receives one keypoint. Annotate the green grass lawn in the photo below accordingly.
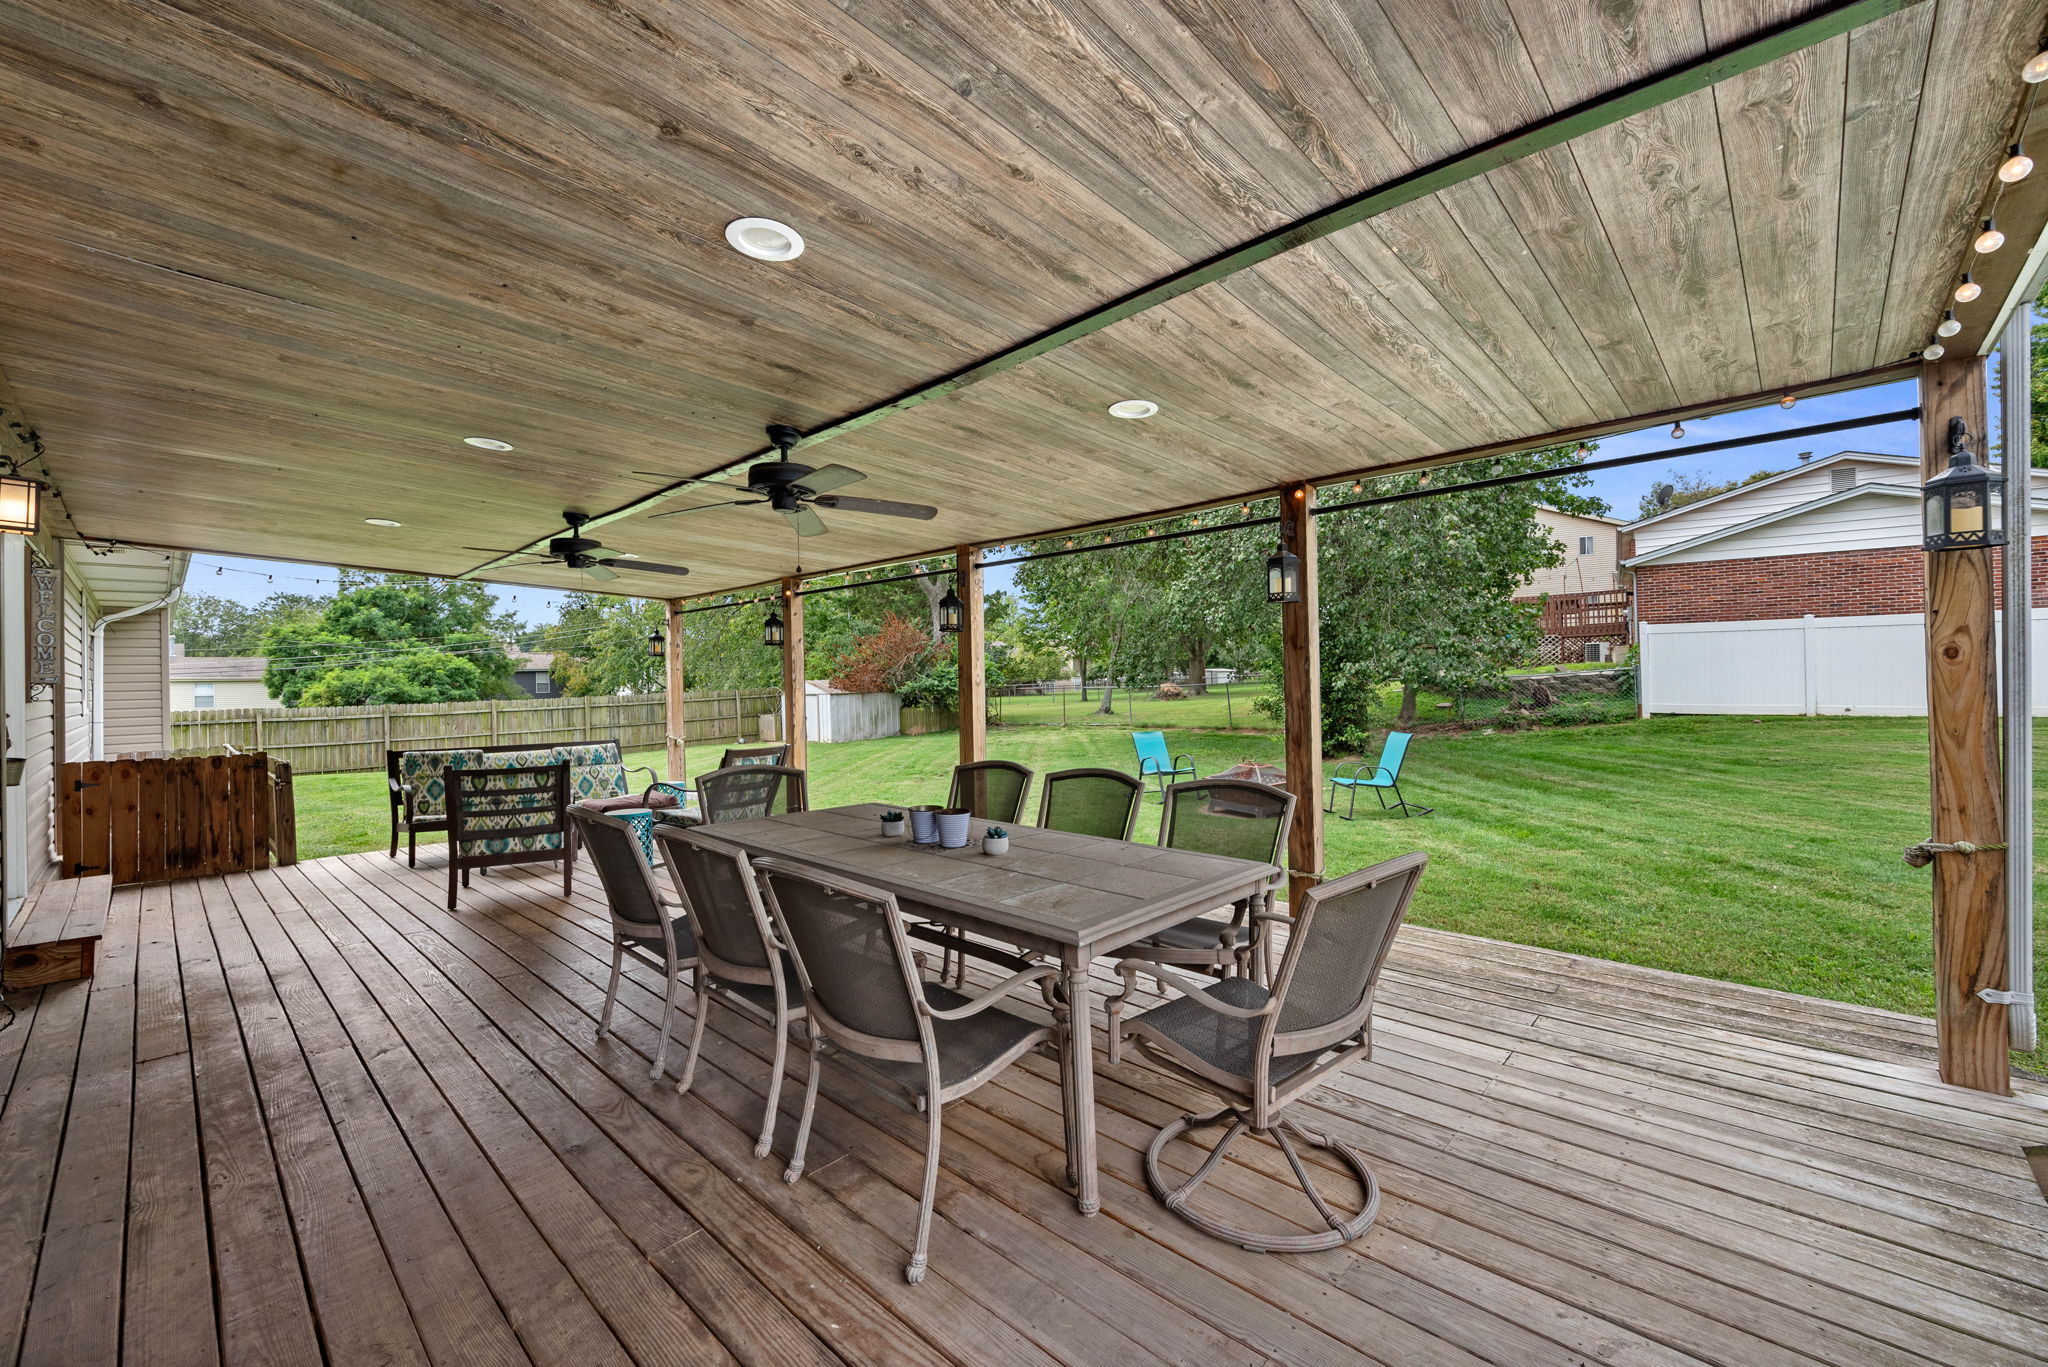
(1222, 706)
(1758, 850)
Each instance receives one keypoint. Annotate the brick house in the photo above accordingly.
(1799, 593)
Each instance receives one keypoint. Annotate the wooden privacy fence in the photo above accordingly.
(146, 820)
(326, 740)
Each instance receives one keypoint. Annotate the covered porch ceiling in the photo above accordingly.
(269, 264)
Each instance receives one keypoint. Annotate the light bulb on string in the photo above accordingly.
(1990, 240)
(2016, 167)
(1948, 327)
(2036, 69)
(1933, 352)
(1357, 486)
(1677, 431)
(1968, 290)
(1788, 400)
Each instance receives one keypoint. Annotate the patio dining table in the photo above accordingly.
(1074, 898)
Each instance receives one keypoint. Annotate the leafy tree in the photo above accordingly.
(2037, 374)
(884, 661)
(599, 645)
(1693, 488)
(428, 676)
(207, 624)
(378, 620)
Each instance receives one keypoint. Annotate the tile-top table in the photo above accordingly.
(1073, 897)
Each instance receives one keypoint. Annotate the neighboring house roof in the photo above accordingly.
(1741, 490)
(1583, 517)
(528, 659)
(1894, 491)
(218, 666)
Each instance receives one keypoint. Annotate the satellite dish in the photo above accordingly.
(1663, 493)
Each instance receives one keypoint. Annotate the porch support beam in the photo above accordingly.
(971, 656)
(674, 713)
(1301, 694)
(1962, 732)
(794, 718)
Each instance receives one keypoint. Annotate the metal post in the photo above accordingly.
(2015, 390)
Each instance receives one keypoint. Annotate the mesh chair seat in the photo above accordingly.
(1222, 1044)
(1202, 933)
(763, 996)
(686, 944)
(965, 1047)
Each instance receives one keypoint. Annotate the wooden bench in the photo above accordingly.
(56, 937)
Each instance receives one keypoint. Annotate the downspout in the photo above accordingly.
(95, 651)
(2016, 440)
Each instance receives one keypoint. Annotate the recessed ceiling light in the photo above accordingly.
(1133, 408)
(382, 522)
(487, 443)
(764, 239)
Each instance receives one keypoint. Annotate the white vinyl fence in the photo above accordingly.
(1811, 666)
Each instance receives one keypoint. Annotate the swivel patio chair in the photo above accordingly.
(1156, 764)
(920, 1042)
(1385, 774)
(740, 962)
(1215, 816)
(649, 927)
(1100, 802)
(991, 789)
(1259, 1051)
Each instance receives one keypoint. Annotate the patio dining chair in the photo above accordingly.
(1100, 802)
(919, 1042)
(1260, 1051)
(740, 961)
(1385, 774)
(651, 929)
(1156, 764)
(747, 791)
(991, 790)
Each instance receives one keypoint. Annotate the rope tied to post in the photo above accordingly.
(1921, 855)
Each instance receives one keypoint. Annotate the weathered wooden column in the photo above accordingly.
(972, 657)
(1962, 734)
(794, 721)
(1301, 694)
(675, 717)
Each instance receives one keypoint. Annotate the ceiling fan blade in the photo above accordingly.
(493, 550)
(600, 553)
(650, 567)
(829, 477)
(886, 507)
(735, 503)
(600, 572)
(686, 479)
(806, 522)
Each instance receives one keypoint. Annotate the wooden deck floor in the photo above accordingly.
(307, 1113)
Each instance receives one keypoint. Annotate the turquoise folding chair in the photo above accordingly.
(1386, 775)
(1155, 763)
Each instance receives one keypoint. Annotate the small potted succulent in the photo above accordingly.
(893, 825)
(995, 840)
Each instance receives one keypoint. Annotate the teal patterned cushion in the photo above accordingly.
(514, 810)
(424, 771)
(521, 759)
(594, 770)
(512, 821)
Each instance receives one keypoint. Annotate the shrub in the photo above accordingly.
(937, 687)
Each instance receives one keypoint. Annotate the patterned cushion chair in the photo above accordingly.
(508, 810)
(419, 792)
(598, 770)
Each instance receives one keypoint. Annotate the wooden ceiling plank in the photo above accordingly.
(1953, 157)
(1887, 63)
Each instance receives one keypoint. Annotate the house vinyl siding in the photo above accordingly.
(1581, 572)
(1802, 485)
(75, 720)
(136, 704)
(226, 693)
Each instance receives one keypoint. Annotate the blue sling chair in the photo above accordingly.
(1384, 776)
(1154, 763)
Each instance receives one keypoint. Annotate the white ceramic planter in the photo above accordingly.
(894, 829)
(992, 844)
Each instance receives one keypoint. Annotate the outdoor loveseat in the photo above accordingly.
(419, 785)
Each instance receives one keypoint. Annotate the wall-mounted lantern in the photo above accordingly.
(1283, 576)
(951, 613)
(21, 503)
(1962, 505)
(654, 646)
(771, 630)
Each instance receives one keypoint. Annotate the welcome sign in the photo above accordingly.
(45, 629)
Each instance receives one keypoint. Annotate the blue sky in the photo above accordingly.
(251, 580)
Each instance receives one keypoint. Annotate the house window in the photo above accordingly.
(202, 695)
(543, 685)
(1585, 545)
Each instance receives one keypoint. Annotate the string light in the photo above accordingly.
(1677, 431)
(1357, 486)
(2016, 167)
(1934, 352)
(2036, 69)
(1990, 240)
(1948, 327)
(1788, 401)
(1968, 290)
(1244, 507)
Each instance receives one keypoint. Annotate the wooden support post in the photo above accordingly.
(1301, 694)
(675, 722)
(972, 657)
(1962, 730)
(794, 721)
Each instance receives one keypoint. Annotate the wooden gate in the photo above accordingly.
(146, 820)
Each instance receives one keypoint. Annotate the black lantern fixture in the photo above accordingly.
(951, 613)
(21, 503)
(654, 645)
(771, 630)
(1283, 576)
(1963, 504)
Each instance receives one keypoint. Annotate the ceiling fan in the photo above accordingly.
(797, 491)
(580, 552)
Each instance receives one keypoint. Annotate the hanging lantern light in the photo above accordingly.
(1283, 576)
(655, 649)
(771, 630)
(1962, 506)
(21, 503)
(951, 613)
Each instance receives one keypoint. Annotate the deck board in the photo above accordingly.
(310, 1114)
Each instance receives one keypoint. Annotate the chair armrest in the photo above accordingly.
(1189, 988)
(1183, 764)
(993, 995)
(652, 777)
(1354, 765)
